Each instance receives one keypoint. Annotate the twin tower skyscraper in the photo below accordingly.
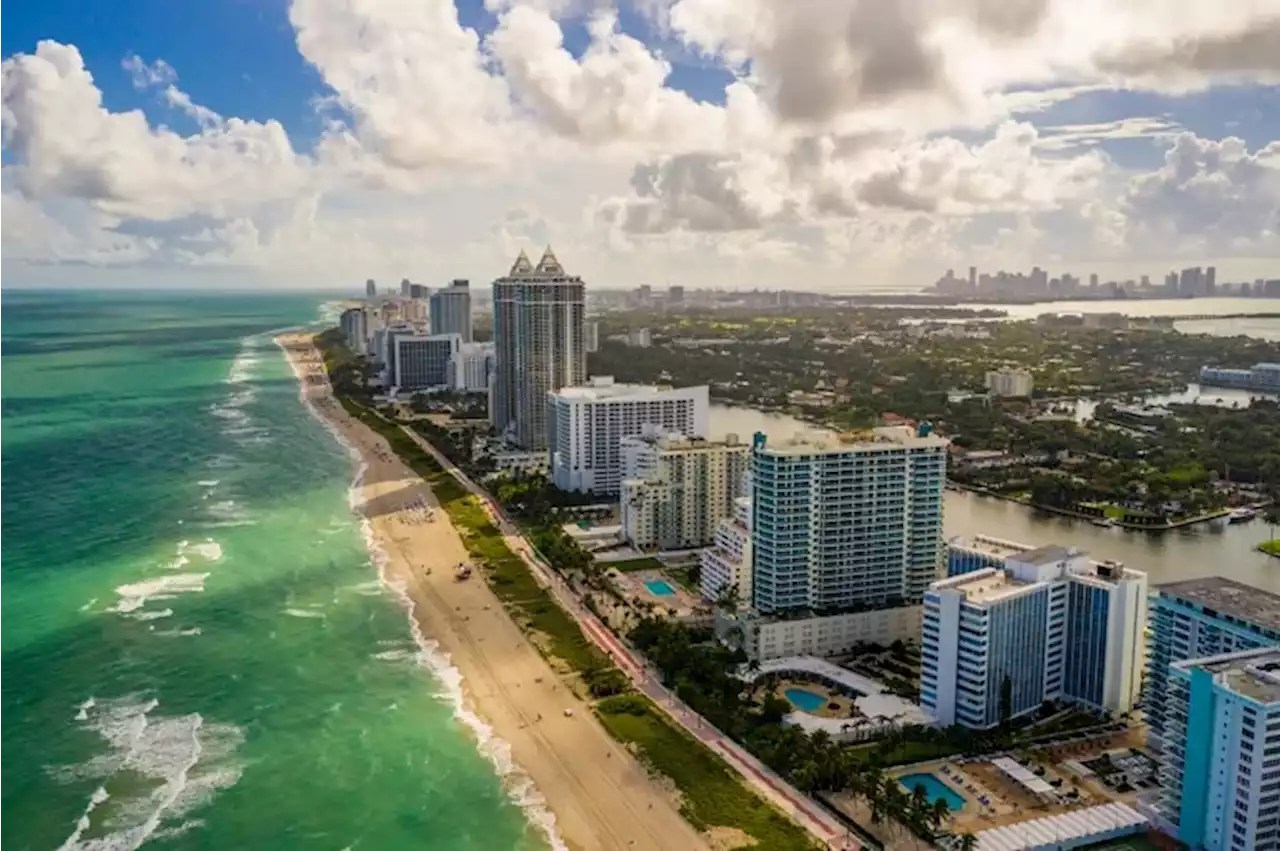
(539, 316)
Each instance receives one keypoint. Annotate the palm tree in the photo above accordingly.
(968, 842)
(938, 812)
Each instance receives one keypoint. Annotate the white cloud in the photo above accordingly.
(856, 141)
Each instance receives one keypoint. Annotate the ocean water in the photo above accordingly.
(197, 649)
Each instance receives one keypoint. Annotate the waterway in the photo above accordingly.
(1165, 556)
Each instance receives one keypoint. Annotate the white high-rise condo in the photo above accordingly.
(1048, 625)
(848, 523)
(1010, 382)
(676, 490)
(727, 564)
(538, 316)
(354, 323)
(589, 422)
(450, 310)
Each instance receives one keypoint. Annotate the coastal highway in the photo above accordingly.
(800, 807)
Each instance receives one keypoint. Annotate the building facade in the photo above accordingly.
(423, 362)
(589, 422)
(853, 523)
(763, 637)
(370, 288)
(591, 336)
(677, 490)
(1220, 774)
(1198, 618)
(472, 368)
(1048, 625)
(450, 310)
(538, 314)
(1264, 377)
(727, 563)
(1010, 382)
(354, 324)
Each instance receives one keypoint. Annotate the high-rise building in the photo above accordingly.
(591, 336)
(419, 291)
(354, 324)
(422, 362)
(472, 368)
(676, 489)
(640, 338)
(849, 523)
(588, 422)
(1196, 618)
(1010, 382)
(1210, 280)
(1220, 772)
(370, 288)
(406, 288)
(538, 314)
(1048, 625)
(973, 279)
(451, 310)
(675, 295)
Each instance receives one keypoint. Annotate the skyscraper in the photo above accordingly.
(405, 287)
(847, 524)
(451, 310)
(370, 288)
(538, 314)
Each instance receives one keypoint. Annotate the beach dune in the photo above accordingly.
(600, 795)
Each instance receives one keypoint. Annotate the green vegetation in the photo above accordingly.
(711, 794)
(1271, 548)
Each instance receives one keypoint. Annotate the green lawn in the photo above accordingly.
(630, 565)
(711, 794)
(1271, 548)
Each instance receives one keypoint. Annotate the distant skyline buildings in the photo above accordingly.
(450, 310)
(1189, 282)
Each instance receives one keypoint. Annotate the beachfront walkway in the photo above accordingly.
(803, 810)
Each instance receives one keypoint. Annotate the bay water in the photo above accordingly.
(198, 651)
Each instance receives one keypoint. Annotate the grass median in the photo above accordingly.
(711, 794)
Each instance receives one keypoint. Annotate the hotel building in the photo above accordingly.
(727, 563)
(538, 314)
(853, 523)
(1050, 624)
(1010, 382)
(1198, 618)
(1220, 775)
(588, 423)
(676, 490)
(424, 362)
(450, 310)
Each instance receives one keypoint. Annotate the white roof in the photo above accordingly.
(1019, 772)
(1072, 829)
(877, 703)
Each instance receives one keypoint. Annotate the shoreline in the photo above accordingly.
(577, 786)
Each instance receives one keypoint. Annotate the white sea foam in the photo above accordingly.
(303, 613)
(520, 787)
(208, 549)
(208, 483)
(135, 595)
(178, 633)
(189, 758)
(151, 616)
(83, 713)
(372, 588)
(88, 605)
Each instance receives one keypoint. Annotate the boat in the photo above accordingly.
(1242, 515)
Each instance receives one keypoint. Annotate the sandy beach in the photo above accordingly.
(600, 795)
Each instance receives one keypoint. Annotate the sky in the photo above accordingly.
(828, 145)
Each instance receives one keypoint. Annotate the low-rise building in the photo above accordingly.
(1049, 625)
(1264, 377)
(1010, 382)
(676, 490)
(763, 637)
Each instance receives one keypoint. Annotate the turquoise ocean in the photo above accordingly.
(197, 650)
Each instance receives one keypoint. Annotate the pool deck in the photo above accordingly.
(632, 584)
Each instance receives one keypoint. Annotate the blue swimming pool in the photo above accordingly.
(805, 700)
(659, 587)
(934, 788)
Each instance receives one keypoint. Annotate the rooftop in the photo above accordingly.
(602, 387)
(1228, 597)
(987, 545)
(1254, 674)
(984, 586)
(886, 437)
(1051, 554)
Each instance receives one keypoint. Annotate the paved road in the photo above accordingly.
(802, 809)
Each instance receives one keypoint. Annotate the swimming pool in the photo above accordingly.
(805, 700)
(934, 788)
(659, 587)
